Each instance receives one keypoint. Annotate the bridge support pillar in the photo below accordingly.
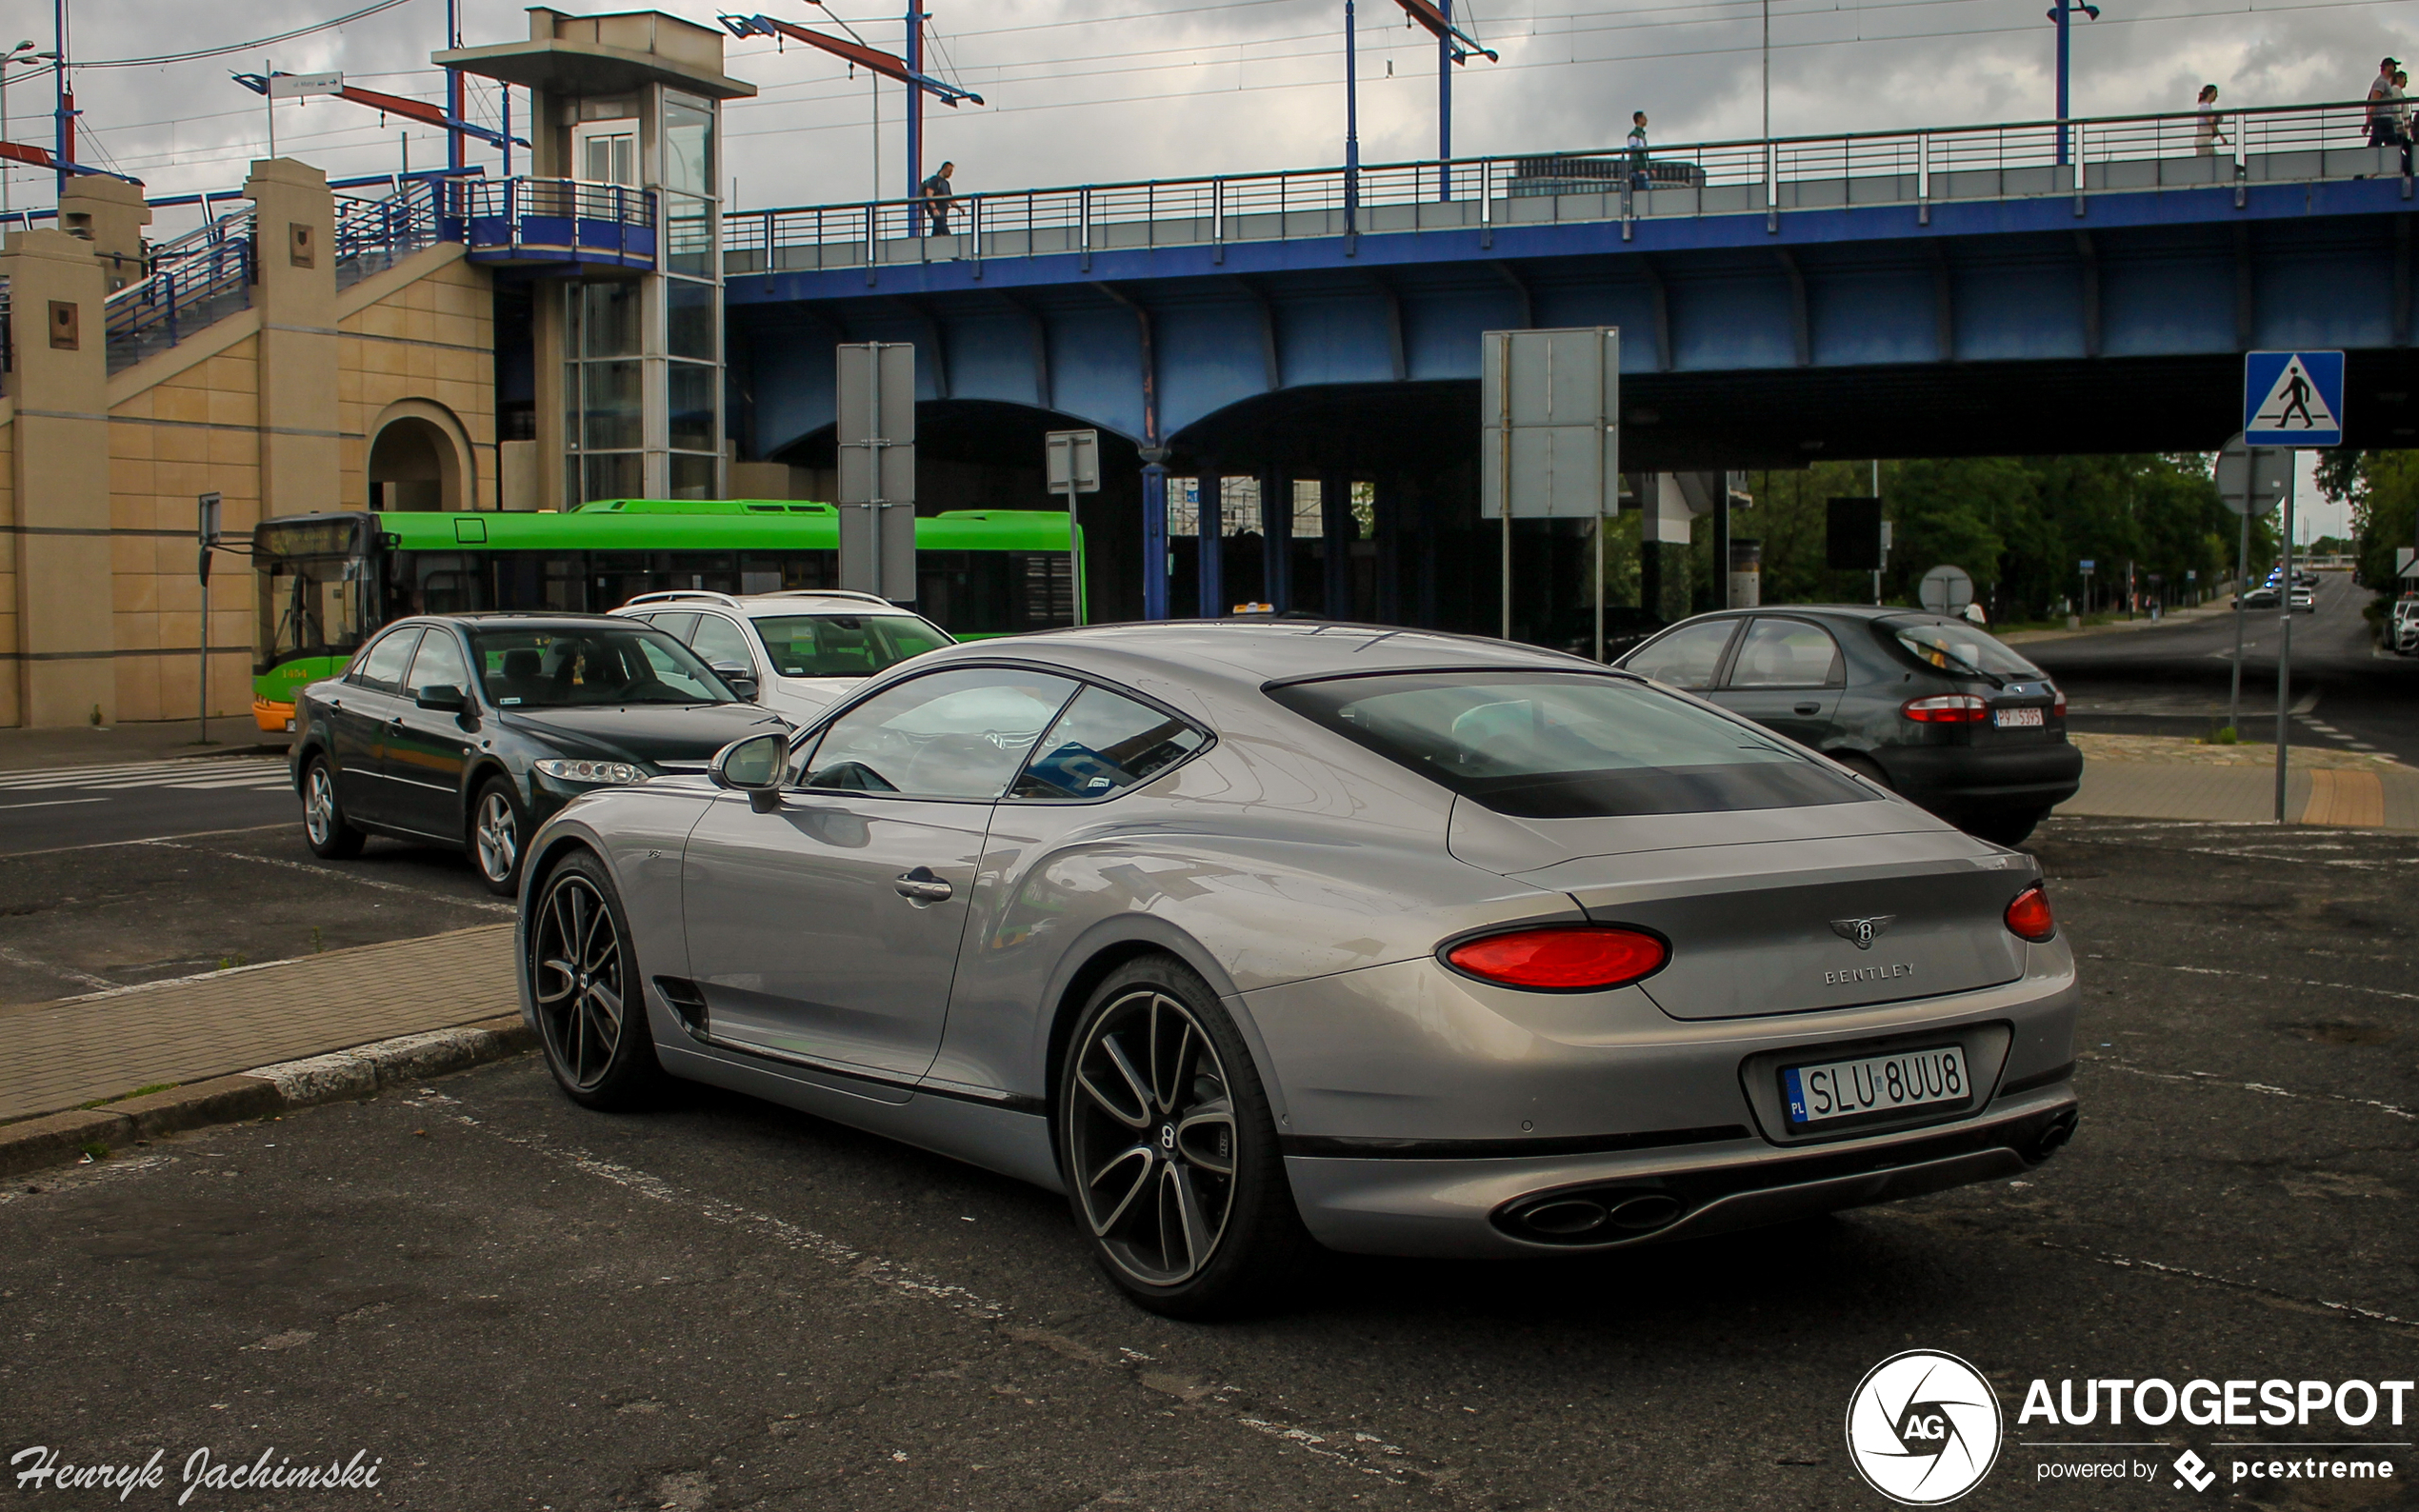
(1665, 586)
(1339, 530)
(1209, 517)
(1276, 537)
(1388, 522)
(1154, 539)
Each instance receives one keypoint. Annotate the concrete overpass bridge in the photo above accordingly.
(2007, 289)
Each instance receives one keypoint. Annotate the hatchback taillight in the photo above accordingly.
(1948, 709)
(2059, 709)
(2028, 916)
(1562, 958)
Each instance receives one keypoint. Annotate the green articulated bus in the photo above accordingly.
(327, 581)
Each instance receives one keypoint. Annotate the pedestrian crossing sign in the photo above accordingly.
(2293, 399)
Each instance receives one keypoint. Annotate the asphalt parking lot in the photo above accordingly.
(512, 1304)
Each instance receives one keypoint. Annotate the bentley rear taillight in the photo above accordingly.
(2028, 916)
(1562, 958)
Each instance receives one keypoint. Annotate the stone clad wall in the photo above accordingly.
(415, 340)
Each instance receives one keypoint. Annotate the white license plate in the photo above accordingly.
(1874, 1086)
(2017, 718)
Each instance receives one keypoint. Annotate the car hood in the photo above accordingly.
(641, 732)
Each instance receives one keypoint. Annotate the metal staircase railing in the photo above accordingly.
(195, 280)
(374, 234)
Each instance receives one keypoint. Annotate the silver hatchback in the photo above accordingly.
(1251, 936)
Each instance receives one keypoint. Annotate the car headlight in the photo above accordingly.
(593, 774)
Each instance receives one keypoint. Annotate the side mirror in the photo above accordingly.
(443, 696)
(742, 680)
(754, 765)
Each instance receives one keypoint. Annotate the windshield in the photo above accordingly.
(310, 606)
(1954, 646)
(1567, 745)
(845, 644)
(624, 663)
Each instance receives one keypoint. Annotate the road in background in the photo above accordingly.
(2171, 678)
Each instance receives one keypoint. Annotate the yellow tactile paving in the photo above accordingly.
(63, 1054)
(2350, 798)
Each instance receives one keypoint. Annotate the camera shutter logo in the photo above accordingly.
(1863, 932)
(1924, 1428)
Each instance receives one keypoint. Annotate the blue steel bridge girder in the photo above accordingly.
(1985, 287)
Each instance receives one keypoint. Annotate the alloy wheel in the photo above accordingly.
(579, 980)
(496, 835)
(319, 804)
(1152, 1137)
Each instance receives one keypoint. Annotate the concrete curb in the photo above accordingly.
(61, 1138)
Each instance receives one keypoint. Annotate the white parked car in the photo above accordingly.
(800, 648)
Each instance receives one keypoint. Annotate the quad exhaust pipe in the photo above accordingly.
(2051, 1140)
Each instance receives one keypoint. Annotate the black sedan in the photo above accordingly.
(1928, 706)
(470, 730)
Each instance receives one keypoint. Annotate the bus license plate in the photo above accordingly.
(2018, 718)
(1873, 1085)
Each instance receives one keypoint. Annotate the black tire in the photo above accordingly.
(325, 827)
(494, 832)
(1129, 1136)
(591, 1009)
(2009, 827)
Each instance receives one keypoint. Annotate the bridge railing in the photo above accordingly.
(1996, 162)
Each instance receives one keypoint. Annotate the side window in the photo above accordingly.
(677, 625)
(381, 669)
(439, 664)
(955, 734)
(1103, 744)
(719, 643)
(1686, 658)
(1788, 653)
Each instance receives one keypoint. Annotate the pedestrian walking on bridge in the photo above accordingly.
(2381, 93)
(2209, 132)
(1637, 149)
(937, 194)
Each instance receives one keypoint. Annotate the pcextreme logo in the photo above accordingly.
(1923, 1427)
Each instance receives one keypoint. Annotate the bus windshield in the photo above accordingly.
(314, 589)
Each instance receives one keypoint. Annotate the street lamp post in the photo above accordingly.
(1351, 127)
(22, 53)
(2063, 15)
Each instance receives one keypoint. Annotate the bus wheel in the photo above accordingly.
(324, 825)
(496, 834)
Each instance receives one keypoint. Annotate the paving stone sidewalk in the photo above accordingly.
(2156, 777)
(77, 1050)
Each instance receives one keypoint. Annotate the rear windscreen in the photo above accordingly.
(1567, 745)
(1957, 648)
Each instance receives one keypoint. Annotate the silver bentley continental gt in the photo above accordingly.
(1253, 936)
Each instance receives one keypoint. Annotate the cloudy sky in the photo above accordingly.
(1093, 91)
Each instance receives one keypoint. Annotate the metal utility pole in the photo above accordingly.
(2062, 14)
(1767, 69)
(2241, 573)
(206, 529)
(65, 122)
(2284, 651)
(915, 18)
(453, 96)
(1445, 106)
(1351, 125)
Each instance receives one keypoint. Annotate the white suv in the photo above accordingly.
(801, 647)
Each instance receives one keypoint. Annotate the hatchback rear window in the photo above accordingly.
(1956, 647)
(1566, 746)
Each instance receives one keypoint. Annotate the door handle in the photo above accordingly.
(1809, 709)
(921, 886)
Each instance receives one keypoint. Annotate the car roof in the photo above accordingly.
(784, 602)
(517, 619)
(1247, 653)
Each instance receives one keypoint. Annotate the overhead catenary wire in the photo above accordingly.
(252, 46)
